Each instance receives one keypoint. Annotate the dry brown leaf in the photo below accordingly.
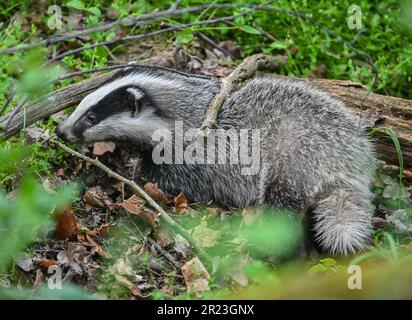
(134, 205)
(181, 204)
(157, 195)
(66, 224)
(150, 217)
(97, 198)
(46, 263)
(100, 148)
(128, 284)
(196, 276)
(97, 248)
(103, 229)
(81, 236)
(205, 236)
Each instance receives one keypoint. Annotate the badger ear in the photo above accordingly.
(134, 95)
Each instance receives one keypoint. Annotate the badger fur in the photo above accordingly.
(313, 153)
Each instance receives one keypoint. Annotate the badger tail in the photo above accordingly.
(342, 222)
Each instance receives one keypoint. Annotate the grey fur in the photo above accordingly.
(312, 152)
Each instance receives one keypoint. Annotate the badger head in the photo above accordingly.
(119, 110)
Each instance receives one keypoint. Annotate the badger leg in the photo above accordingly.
(341, 220)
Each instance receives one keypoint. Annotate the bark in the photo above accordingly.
(378, 111)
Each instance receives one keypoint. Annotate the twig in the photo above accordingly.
(174, 5)
(6, 104)
(165, 254)
(247, 69)
(154, 33)
(209, 41)
(13, 114)
(164, 217)
(125, 22)
(107, 26)
(263, 32)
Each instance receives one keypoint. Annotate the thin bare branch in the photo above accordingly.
(164, 217)
(246, 70)
(124, 22)
(153, 33)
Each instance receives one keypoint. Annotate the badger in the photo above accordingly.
(313, 153)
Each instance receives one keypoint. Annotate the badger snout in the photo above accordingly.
(65, 134)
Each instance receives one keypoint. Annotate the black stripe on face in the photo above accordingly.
(116, 102)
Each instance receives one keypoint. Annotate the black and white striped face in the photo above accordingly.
(112, 112)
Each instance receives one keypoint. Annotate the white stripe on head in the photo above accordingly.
(143, 80)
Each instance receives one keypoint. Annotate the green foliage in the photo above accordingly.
(326, 265)
(184, 37)
(386, 38)
(25, 216)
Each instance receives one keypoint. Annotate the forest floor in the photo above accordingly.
(108, 243)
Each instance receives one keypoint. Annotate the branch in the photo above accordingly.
(154, 33)
(107, 26)
(129, 21)
(246, 70)
(164, 217)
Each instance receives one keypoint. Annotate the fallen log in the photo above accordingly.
(378, 110)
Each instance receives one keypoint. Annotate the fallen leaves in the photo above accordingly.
(100, 148)
(181, 204)
(75, 256)
(66, 224)
(97, 198)
(97, 248)
(46, 263)
(26, 264)
(196, 276)
(181, 246)
(135, 205)
(205, 236)
(152, 189)
(135, 291)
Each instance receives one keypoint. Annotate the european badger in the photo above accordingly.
(313, 153)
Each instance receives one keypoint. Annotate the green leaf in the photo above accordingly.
(94, 10)
(184, 37)
(250, 30)
(76, 4)
(278, 45)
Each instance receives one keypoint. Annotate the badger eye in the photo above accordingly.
(91, 117)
